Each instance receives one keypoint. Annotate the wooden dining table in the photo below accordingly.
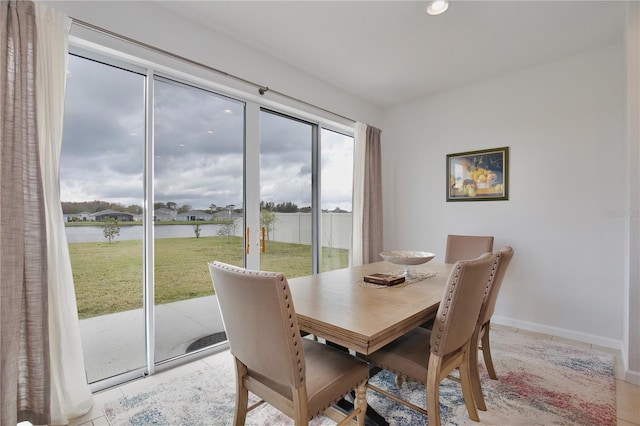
(340, 308)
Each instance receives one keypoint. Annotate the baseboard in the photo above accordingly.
(633, 377)
(560, 332)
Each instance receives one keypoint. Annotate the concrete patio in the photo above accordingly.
(115, 343)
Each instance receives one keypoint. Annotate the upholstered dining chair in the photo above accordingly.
(503, 258)
(429, 356)
(300, 377)
(463, 247)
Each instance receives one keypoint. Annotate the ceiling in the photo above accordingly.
(390, 52)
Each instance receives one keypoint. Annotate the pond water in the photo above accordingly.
(91, 234)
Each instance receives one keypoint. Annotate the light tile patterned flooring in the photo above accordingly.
(627, 395)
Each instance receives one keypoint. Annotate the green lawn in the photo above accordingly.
(108, 277)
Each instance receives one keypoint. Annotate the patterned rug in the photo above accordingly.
(541, 382)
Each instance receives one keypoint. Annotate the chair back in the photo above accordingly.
(260, 321)
(460, 306)
(465, 247)
(504, 256)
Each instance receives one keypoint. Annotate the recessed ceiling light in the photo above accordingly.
(436, 7)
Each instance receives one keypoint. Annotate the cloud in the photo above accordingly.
(199, 145)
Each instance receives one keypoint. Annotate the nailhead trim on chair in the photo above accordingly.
(445, 310)
(493, 271)
(488, 287)
(294, 330)
(348, 389)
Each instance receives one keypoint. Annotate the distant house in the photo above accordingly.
(164, 215)
(119, 216)
(77, 217)
(194, 215)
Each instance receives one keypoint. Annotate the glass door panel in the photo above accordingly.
(101, 188)
(336, 159)
(286, 147)
(198, 211)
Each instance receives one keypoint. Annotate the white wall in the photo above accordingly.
(632, 308)
(565, 126)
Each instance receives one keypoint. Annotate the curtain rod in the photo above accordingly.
(261, 89)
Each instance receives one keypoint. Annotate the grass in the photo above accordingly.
(109, 277)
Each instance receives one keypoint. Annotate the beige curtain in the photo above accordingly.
(24, 338)
(360, 141)
(372, 238)
(70, 395)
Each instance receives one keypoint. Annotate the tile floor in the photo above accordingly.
(627, 395)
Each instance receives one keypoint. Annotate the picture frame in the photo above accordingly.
(481, 175)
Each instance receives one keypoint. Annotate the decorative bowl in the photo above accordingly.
(403, 257)
(406, 258)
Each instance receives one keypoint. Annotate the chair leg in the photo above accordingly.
(361, 403)
(486, 353)
(467, 386)
(475, 372)
(242, 395)
(300, 408)
(433, 389)
(399, 380)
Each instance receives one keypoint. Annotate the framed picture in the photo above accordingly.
(478, 175)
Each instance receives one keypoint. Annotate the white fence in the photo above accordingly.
(296, 228)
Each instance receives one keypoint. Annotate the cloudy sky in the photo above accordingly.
(198, 151)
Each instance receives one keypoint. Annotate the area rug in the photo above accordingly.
(541, 382)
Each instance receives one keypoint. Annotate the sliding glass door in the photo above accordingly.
(102, 193)
(306, 180)
(286, 194)
(198, 215)
(159, 177)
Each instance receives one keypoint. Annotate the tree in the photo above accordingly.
(270, 205)
(227, 230)
(110, 228)
(268, 220)
(287, 207)
(135, 209)
(185, 208)
(197, 229)
(213, 208)
(73, 207)
(171, 205)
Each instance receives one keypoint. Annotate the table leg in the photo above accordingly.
(373, 418)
